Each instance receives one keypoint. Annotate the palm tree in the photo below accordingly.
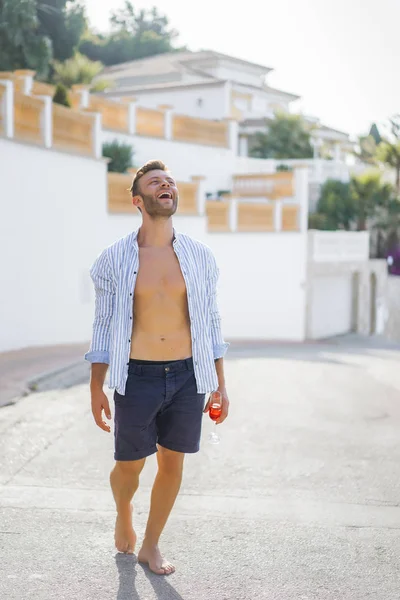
(369, 194)
(388, 151)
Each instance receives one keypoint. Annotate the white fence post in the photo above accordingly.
(47, 121)
(301, 195)
(201, 194)
(277, 215)
(233, 214)
(97, 137)
(167, 109)
(7, 107)
(83, 91)
(27, 79)
(132, 103)
(233, 135)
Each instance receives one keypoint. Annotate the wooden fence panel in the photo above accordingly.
(28, 118)
(290, 217)
(43, 89)
(115, 115)
(273, 185)
(149, 122)
(72, 130)
(119, 197)
(218, 215)
(255, 217)
(200, 131)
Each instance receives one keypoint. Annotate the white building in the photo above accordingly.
(212, 85)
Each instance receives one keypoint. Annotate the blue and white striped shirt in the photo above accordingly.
(114, 276)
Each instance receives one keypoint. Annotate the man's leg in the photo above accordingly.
(124, 480)
(165, 490)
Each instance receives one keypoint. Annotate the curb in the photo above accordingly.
(61, 378)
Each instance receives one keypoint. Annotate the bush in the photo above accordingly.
(120, 156)
(317, 221)
(61, 95)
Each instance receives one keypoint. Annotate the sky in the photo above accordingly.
(341, 56)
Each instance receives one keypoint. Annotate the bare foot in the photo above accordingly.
(151, 555)
(125, 536)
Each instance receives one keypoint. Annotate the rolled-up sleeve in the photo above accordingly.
(220, 347)
(104, 286)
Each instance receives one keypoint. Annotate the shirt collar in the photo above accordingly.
(175, 239)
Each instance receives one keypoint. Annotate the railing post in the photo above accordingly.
(167, 109)
(47, 121)
(97, 138)
(132, 103)
(83, 91)
(201, 194)
(27, 79)
(233, 214)
(7, 107)
(277, 215)
(233, 135)
(301, 195)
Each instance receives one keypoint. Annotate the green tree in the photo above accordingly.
(22, 46)
(388, 151)
(336, 207)
(287, 136)
(64, 22)
(78, 69)
(134, 34)
(387, 227)
(120, 156)
(369, 194)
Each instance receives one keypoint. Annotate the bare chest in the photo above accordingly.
(159, 274)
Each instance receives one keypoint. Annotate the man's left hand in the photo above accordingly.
(225, 405)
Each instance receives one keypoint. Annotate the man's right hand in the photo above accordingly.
(100, 403)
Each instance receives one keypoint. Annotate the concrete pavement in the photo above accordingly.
(300, 501)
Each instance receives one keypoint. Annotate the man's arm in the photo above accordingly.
(99, 352)
(220, 347)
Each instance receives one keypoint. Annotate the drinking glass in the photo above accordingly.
(215, 411)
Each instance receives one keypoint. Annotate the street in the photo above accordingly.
(299, 501)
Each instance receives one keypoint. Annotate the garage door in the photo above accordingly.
(331, 306)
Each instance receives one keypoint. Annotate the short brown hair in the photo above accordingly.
(151, 165)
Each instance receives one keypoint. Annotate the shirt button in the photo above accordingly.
(130, 294)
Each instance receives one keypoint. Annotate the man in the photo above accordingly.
(158, 328)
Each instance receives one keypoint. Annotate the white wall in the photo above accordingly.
(52, 217)
(54, 222)
(331, 311)
(185, 101)
(184, 160)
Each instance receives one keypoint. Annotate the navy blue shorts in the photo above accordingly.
(160, 406)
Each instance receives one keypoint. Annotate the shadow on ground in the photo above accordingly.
(127, 566)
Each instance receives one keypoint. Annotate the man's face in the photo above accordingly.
(159, 193)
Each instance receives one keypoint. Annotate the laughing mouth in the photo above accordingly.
(165, 195)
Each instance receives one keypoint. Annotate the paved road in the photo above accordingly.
(299, 502)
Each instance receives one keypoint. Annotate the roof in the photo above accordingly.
(170, 59)
(171, 70)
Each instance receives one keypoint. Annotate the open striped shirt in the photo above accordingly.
(114, 274)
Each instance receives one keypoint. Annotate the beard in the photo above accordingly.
(157, 208)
